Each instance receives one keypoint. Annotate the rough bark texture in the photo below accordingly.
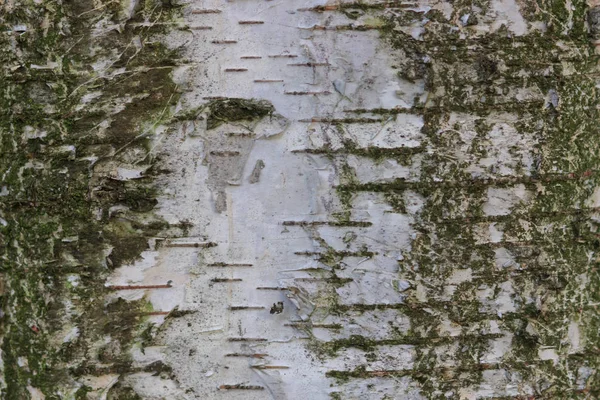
(299, 199)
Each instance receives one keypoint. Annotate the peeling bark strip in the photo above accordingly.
(189, 243)
(206, 11)
(241, 387)
(415, 202)
(270, 367)
(253, 355)
(305, 324)
(268, 80)
(360, 224)
(255, 175)
(225, 280)
(222, 264)
(310, 64)
(138, 287)
(308, 93)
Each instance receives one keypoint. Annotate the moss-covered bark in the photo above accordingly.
(474, 81)
(84, 86)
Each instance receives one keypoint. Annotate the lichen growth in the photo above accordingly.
(233, 110)
(541, 88)
(64, 124)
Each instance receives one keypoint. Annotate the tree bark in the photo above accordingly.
(299, 199)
